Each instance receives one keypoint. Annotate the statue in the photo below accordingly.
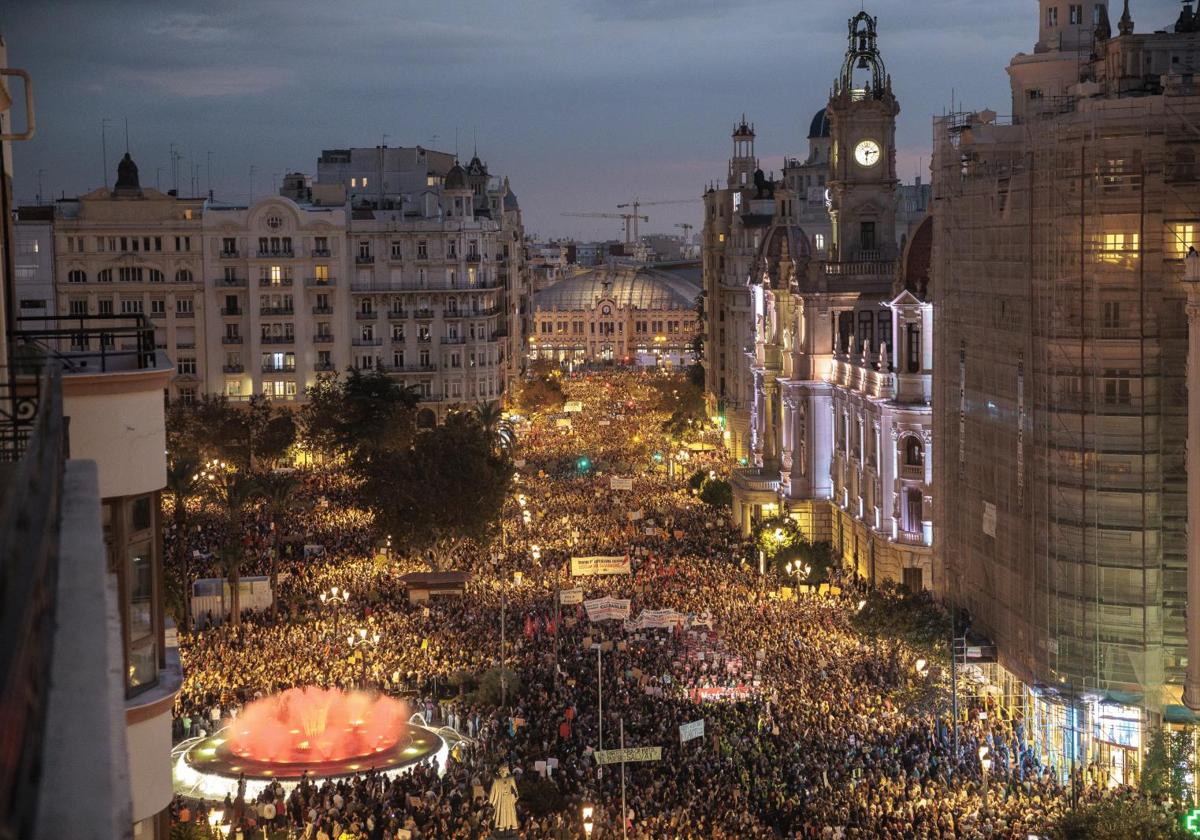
(503, 799)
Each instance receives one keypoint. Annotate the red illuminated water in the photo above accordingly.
(317, 724)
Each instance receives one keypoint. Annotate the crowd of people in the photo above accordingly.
(813, 730)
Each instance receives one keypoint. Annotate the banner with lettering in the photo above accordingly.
(650, 619)
(570, 596)
(603, 609)
(604, 565)
(628, 754)
(688, 731)
(618, 483)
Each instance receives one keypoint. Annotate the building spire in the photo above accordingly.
(1103, 27)
(1125, 26)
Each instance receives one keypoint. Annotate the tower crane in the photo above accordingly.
(687, 231)
(636, 203)
(627, 217)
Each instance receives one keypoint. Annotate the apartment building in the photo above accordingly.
(133, 251)
(1062, 396)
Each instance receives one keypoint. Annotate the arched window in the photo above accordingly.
(183, 276)
(914, 452)
(104, 275)
(156, 276)
(77, 276)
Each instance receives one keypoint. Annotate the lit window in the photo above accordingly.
(1118, 246)
(354, 182)
(1180, 237)
(276, 275)
(364, 181)
(819, 241)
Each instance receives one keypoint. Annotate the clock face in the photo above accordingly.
(867, 153)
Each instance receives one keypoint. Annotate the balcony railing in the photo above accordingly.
(317, 282)
(322, 310)
(320, 252)
(278, 252)
(229, 255)
(909, 471)
(910, 537)
(89, 343)
(274, 281)
(188, 314)
(426, 314)
(367, 342)
(277, 310)
(279, 368)
(33, 442)
(278, 339)
(231, 339)
(231, 282)
(362, 259)
(454, 339)
(323, 338)
(234, 368)
(398, 314)
(366, 316)
(323, 366)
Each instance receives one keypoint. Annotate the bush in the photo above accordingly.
(1119, 818)
(490, 692)
(717, 493)
(917, 619)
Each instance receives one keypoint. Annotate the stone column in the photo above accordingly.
(1191, 690)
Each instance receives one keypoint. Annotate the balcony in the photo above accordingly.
(914, 473)
(277, 310)
(364, 259)
(320, 252)
(755, 480)
(424, 314)
(412, 368)
(185, 345)
(454, 339)
(367, 342)
(158, 315)
(188, 314)
(278, 339)
(366, 316)
(322, 310)
(323, 338)
(279, 368)
(269, 253)
(398, 314)
(396, 259)
(320, 282)
(473, 258)
(910, 538)
(231, 339)
(267, 282)
(232, 311)
(229, 255)
(424, 339)
(230, 282)
(324, 366)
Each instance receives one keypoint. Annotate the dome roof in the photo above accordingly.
(641, 287)
(456, 178)
(819, 127)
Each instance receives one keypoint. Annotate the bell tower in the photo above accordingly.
(862, 182)
(743, 163)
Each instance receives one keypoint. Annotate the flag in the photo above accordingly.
(425, 643)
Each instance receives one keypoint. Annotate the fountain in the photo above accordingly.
(310, 731)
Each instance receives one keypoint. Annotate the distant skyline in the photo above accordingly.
(584, 104)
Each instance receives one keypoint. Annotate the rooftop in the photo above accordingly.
(657, 286)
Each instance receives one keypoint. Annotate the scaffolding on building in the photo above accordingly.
(1060, 377)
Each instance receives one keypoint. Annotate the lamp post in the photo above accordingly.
(986, 763)
(588, 824)
(336, 598)
(362, 640)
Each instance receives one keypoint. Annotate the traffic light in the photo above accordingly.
(658, 457)
(584, 464)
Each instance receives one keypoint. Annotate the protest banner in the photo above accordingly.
(619, 483)
(570, 596)
(688, 731)
(602, 565)
(634, 515)
(628, 754)
(603, 609)
(650, 619)
(573, 407)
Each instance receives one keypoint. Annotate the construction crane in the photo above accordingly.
(687, 231)
(637, 203)
(627, 217)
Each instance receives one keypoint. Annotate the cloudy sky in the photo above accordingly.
(583, 103)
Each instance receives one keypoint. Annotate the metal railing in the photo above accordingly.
(33, 442)
(86, 343)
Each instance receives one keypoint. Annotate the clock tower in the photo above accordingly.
(862, 180)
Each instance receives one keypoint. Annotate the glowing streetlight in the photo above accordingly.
(588, 825)
(361, 639)
(985, 762)
(337, 598)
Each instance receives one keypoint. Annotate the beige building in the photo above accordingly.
(629, 314)
(133, 251)
(1062, 400)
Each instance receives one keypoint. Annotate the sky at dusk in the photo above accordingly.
(584, 104)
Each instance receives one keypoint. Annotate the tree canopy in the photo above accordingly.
(358, 417)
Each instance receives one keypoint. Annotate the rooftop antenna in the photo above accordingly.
(127, 135)
(456, 144)
(475, 141)
(158, 178)
(104, 121)
(208, 170)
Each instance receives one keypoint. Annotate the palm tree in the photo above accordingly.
(234, 492)
(184, 481)
(278, 494)
(496, 429)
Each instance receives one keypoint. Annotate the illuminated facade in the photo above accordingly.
(630, 314)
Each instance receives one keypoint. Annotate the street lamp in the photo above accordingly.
(363, 640)
(923, 668)
(536, 552)
(336, 598)
(217, 826)
(588, 825)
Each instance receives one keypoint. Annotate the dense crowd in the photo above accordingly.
(818, 732)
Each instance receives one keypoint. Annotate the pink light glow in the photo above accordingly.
(317, 724)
